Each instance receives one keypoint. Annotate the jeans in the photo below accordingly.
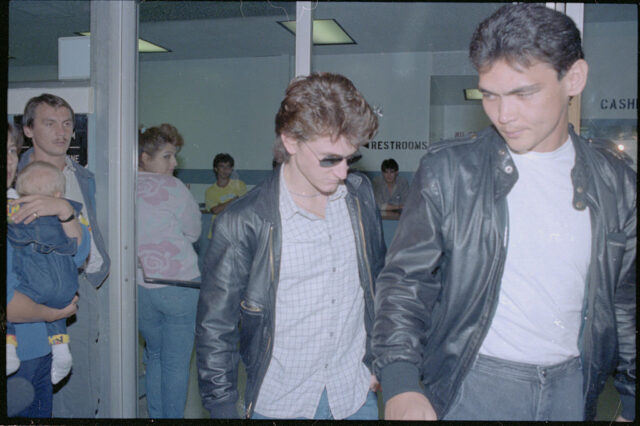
(496, 389)
(167, 321)
(37, 372)
(78, 395)
(368, 411)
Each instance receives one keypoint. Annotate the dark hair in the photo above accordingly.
(323, 104)
(525, 33)
(389, 163)
(16, 134)
(154, 138)
(46, 98)
(223, 158)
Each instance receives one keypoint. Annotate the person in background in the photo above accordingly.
(29, 390)
(44, 259)
(167, 224)
(390, 189)
(288, 278)
(509, 291)
(49, 121)
(218, 196)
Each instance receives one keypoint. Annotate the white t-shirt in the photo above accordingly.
(538, 317)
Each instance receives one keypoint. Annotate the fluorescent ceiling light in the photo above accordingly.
(325, 31)
(472, 95)
(144, 46)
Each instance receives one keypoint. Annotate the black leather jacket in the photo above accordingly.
(239, 285)
(439, 290)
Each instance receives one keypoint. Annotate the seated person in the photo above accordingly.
(390, 190)
(225, 190)
(44, 262)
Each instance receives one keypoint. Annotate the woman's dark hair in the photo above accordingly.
(154, 138)
(525, 33)
(17, 136)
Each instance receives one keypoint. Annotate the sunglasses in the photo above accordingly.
(334, 160)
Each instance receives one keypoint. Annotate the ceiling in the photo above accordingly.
(215, 29)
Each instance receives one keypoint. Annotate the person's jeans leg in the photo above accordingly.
(179, 307)
(519, 392)
(512, 395)
(78, 394)
(562, 395)
(150, 324)
(38, 372)
(369, 410)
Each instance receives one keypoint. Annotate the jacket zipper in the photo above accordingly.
(272, 267)
(364, 249)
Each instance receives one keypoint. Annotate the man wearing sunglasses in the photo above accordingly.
(290, 271)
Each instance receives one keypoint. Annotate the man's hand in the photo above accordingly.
(33, 206)
(374, 385)
(409, 406)
(66, 312)
(622, 419)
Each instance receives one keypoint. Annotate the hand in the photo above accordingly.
(622, 419)
(409, 406)
(65, 312)
(34, 206)
(374, 385)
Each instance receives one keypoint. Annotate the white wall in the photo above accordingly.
(218, 105)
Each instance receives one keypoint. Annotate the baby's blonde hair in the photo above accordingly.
(40, 178)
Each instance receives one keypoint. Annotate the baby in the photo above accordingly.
(43, 261)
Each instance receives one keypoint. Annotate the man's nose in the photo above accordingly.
(506, 111)
(341, 169)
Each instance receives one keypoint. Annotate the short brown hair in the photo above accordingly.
(46, 98)
(154, 138)
(323, 104)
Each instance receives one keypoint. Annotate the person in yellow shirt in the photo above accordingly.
(225, 189)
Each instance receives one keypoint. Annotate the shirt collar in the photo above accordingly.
(288, 207)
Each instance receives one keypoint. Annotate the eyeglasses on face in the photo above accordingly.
(334, 160)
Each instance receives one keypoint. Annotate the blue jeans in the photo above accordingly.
(167, 321)
(496, 389)
(368, 411)
(37, 372)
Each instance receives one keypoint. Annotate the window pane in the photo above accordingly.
(610, 100)
(220, 85)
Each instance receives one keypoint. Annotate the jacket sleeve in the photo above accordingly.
(408, 286)
(625, 310)
(225, 273)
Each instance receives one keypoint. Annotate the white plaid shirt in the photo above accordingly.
(320, 338)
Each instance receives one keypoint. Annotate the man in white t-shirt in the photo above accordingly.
(509, 289)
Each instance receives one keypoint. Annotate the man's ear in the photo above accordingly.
(27, 131)
(576, 77)
(290, 144)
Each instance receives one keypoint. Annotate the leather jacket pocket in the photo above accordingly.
(252, 318)
(616, 242)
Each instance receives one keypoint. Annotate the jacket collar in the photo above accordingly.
(506, 173)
